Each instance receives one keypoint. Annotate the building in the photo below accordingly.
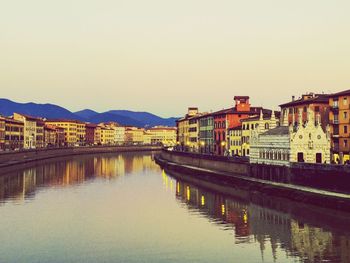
(235, 141)
(267, 120)
(53, 136)
(230, 118)
(182, 125)
(2, 133)
(30, 129)
(90, 131)
(70, 130)
(317, 103)
(162, 135)
(340, 125)
(81, 130)
(206, 133)
(107, 134)
(119, 135)
(134, 135)
(286, 144)
(14, 134)
(40, 136)
(193, 133)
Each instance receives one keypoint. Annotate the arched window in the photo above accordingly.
(266, 126)
(223, 135)
(223, 124)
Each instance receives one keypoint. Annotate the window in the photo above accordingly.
(252, 126)
(345, 115)
(305, 109)
(345, 129)
(345, 143)
(317, 108)
(266, 126)
(345, 101)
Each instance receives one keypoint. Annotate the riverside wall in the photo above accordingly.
(22, 157)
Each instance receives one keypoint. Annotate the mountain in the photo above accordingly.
(8, 107)
(124, 120)
(51, 111)
(147, 118)
(86, 114)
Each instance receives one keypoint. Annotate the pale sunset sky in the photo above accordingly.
(162, 56)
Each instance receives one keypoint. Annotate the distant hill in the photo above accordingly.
(51, 111)
(86, 114)
(146, 117)
(8, 107)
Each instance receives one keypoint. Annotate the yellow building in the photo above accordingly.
(163, 135)
(70, 130)
(188, 129)
(134, 135)
(81, 130)
(14, 134)
(235, 141)
(30, 129)
(106, 135)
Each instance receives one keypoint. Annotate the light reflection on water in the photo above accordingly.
(124, 208)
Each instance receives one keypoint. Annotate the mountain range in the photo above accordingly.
(51, 111)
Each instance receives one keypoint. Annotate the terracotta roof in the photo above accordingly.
(63, 120)
(319, 98)
(341, 93)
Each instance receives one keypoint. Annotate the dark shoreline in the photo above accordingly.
(318, 198)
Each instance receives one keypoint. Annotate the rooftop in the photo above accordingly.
(281, 130)
(317, 98)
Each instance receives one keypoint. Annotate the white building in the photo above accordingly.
(119, 134)
(283, 145)
(29, 134)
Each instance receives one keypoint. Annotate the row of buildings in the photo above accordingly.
(22, 131)
(313, 128)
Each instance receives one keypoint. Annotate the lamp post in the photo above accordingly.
(223, 144)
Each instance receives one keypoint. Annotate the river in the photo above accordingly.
(125, 208)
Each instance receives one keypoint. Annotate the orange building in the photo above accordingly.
(339, 104)
(318, 103)
(230, 118)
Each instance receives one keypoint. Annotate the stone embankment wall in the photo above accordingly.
(216, 163)
(21, 157)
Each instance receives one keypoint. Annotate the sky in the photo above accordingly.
(163, 56)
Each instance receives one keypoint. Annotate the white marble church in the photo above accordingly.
(304, 142)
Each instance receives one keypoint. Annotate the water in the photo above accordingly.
(124, 208)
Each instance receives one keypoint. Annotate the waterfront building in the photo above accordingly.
(70, 130)
(119, 135)
(53, 136)
(90, 130)
(340, 125)
(81, 130)
(317, 103)
(107, 134)
(285, 144)
(235, 141)
(193, 133)
(14, 134)
(206, 133)
(267, 120)
(40, 136)
(182, 125)
(162, 135)
(30, 129)
(2, 133)
(230, 118)
(134, 135)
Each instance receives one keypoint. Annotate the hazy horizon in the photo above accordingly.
(163, 56)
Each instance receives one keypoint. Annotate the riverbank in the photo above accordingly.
(237, 173)
(9, 159)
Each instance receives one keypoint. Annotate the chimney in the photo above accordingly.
(293, 98)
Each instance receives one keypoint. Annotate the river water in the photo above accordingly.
(125, 208)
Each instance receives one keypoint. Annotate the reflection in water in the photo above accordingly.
(253, 222)
(22, 184)
(124, 208)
